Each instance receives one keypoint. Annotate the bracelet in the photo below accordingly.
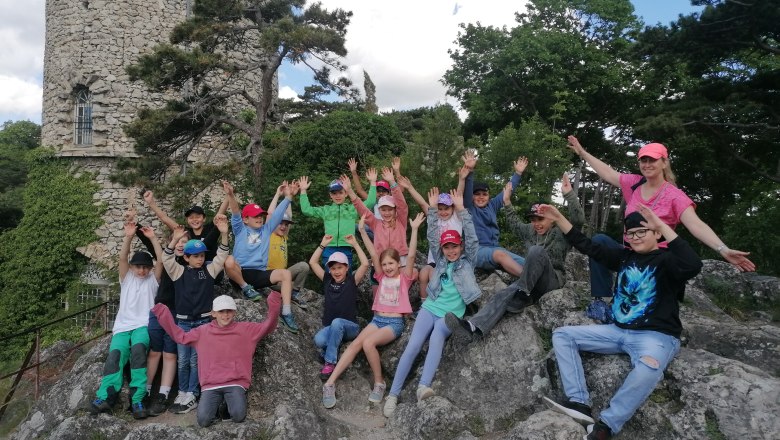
(322, 247)
(721, 248)
(393, 185)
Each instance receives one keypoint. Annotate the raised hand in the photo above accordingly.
(565, 184)
(350, 239)
(129, 228)
(178, 233)
(404, 182)
(221, 222)
(345, 182)
(507, 193)
(295, 187)
(469, 159)
(227, 187)
(651, 219)
(457, 199)
(387, 174)
(286, 190)
(463, 172)
(147, 231)
(520, 164)
(397, 165)
(371, 175)
(433, 196)
(574, 145)
(326, 239)
(352, 163)
(417, 220)
(304, 183)
(280, 188)
(149, 197)
(549, 211)
(362, 222)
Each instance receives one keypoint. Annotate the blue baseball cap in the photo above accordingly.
(335, 186)
(194, 247)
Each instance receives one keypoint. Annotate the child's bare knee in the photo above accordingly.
(650, 362)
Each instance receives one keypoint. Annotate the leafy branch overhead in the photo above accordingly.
(220, 66)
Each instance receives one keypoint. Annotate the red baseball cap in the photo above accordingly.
(655, 150)
(252, 210)
(383, 184)
(451, 236)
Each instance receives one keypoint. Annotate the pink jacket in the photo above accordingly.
(384, 236)
(224, 353)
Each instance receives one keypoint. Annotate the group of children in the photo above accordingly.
(214, 353)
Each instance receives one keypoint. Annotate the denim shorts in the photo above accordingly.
(396, 324)
(159, 340)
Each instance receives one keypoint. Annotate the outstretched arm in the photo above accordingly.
(367, 241)
(706, 235)
(152, 203)
(415, 224)
(148, 232)
(124, 252)
(314, 260)
(230, 196)
(606, 172)
(360, 272)
(404, 182)
(352, 163)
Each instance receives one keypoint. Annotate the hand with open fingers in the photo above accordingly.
(362, 221)
(397, 165)
(574, 145)
(129, 228)
(417, 220)
(457, 199)
(345, 182)
(326, 239)
(352, 163)
(148, 231)
(549, 211)
(651, 219)
(280, 188)
(287, 190)
(520, 164)
(565, 184)
(433, 196)
(507, 193)
(179, 232)
(463, 172)
(388, 175)
(304, 183)
(404, 182)
(469, 159)
(738, 259)
(227, 187)
(221, 222)
(371, 174)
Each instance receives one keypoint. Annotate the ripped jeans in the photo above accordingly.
(650, 352)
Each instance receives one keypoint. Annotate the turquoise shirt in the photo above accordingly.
(448, 300)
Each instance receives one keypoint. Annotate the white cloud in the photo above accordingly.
(286, 92)
(20, 99)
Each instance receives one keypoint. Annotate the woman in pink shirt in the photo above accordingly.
(654, 188)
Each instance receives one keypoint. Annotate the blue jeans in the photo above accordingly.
(188, 359)
(330, 338)
(601, 279)
(427, 327)
(485, 257)
(650, 352)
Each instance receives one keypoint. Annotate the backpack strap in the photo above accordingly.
(638, 184)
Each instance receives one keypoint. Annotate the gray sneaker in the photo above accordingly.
(424, 392)
(377, 393)
(390, 403)
(296, 298)
(328, 396)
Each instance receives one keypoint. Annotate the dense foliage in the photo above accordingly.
(16, 138)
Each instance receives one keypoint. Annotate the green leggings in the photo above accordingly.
(130, 345)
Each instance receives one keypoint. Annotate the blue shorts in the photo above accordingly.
(485, 257)
(158, 339)
(396, 324)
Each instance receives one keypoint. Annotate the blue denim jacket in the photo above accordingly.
(463, 272)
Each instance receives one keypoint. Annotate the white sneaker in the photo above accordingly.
(188, 403)
(390, 404)
(424, 392)
(176, 406)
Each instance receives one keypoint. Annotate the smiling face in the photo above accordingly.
(283, 229)
(338, 271)
(650, 167)
(196, 221)
(390, 266)
(387, 213)
(481, 198)
(444, 211)
(255, 222)
(223, 317)
(540, 224)
(178, 250)
(642, 240)
(338, 196)
(452, 251)
(195, 260)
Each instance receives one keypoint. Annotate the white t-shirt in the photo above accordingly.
(136, 298)
(452, 223)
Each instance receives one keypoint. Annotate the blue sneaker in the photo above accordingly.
(250, 293)
(296, 298)
(600, 311)
(139, 412)
(98, 406)
(289, 322)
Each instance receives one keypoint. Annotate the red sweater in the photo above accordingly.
(224, 353)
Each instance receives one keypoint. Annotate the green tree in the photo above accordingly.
(222, 61)
(16, 138)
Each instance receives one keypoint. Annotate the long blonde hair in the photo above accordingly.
(668, 173)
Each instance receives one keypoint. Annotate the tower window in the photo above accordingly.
(83, 118)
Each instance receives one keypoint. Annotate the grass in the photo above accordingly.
(712, 426)
(738, 306)
(545, 335)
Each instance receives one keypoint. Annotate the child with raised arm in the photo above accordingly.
(543, 271)
(225, 351)
(339, 217)
(452, 287)
(446, 220)
(382, 187)
(391, 302)
(647, 324)
(248, 266)
(138, 280)
(194, 291)
(340, 289)
(484, 211)
(390, 230)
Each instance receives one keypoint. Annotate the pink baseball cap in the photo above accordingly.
(383, 184)
(386, 201)
(451, 236)
(337, 257)
(252, 210)
(655, 150)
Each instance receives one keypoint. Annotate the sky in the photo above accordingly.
(402, 44)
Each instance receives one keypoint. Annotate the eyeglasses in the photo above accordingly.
(639, 233)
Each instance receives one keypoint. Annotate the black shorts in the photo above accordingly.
(257, 278)
(433, 264)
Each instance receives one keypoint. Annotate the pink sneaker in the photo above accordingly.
(326, 371)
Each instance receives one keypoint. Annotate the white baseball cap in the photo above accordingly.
(223, 302)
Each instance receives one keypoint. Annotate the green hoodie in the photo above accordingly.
(339, 219)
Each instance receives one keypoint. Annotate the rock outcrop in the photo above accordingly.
(723, 384)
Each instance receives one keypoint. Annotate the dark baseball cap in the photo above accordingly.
(194, 210)
(480, 186)
(142, 258)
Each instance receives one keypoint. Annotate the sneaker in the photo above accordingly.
(390, 403)
(377, 393)
(289, 323)
(598, 431)
(577, 411)
(250, 293)
(424, 392)
(519, 301)
(296, 298)
(98, 406)
(176, 406)
(599, 311)
(460, 328)
(139, 412)
(329, 396)
(189, 402)
(327, 370)
(157, 405)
